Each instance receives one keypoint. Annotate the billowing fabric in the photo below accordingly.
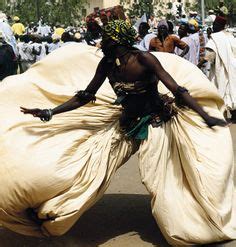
(188, 168)
(120, 31)
(62, 167)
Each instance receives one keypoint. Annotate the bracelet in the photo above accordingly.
(50, 113)
(179, 96)
(47, 115)
(85, 96)
(180, 90)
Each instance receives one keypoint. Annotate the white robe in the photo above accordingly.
(143, 45)
(223, 67)
(191, 55)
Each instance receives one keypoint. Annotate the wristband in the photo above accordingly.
(47, 115)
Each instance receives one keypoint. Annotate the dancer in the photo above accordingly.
(133, 76)
(62, 167)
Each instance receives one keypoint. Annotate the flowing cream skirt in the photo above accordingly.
(62, 167)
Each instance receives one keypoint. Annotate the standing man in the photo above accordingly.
(18, 28)
(8, 63)
(183, 35)
(178, 8)
(222, 10)
(25, 50)
(195, 35)
(221, 53)
(144, 37)
(210, 18)
(59, 30)
(152, 22)
(44, 30)
(165, 42)
(6, 30)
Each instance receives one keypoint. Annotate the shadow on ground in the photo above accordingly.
(112, 216)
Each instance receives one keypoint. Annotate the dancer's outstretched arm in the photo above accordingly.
(153, 64)
(80, 99)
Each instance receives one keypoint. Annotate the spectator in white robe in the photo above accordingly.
(7, 32)
(183, 35)
(210, 18)
(221, 53)
(25, 51)
(67, 39)
(178, 8)
(44, 30)
(194, 35)
(39, 49)
(152, 22)
(55, 43)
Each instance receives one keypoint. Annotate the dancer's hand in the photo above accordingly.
(213, 121)
(44, 115)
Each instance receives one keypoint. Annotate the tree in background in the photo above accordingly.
(230, 4)
(138, 8)
(159, 8)
(212, 4)
(51, 11)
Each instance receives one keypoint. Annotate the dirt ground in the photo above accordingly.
(122, 218)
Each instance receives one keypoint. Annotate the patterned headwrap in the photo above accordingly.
(119, 31)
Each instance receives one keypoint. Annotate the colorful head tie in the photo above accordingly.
(119, 31)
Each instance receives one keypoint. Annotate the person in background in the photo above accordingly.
(44, 29)
(222, 10)
(178, 8)
(210, 18)
(93, 34)
(209, 32)
(167, 43)
(183, 19)
(170, 27)
(25, 51)
(152, 22)
(18, 28)
(30, 29)
(183, 35)
(194, 35)
(55, 44)
(67, 39)
(78, 37)
(59, 30)
(143, 29)
(7, 32)
(39, 49)
(8, 61)
(221, 53)
(144, 37)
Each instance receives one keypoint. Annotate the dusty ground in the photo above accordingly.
(122, 218)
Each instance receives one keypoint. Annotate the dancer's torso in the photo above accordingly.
(136, 89)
